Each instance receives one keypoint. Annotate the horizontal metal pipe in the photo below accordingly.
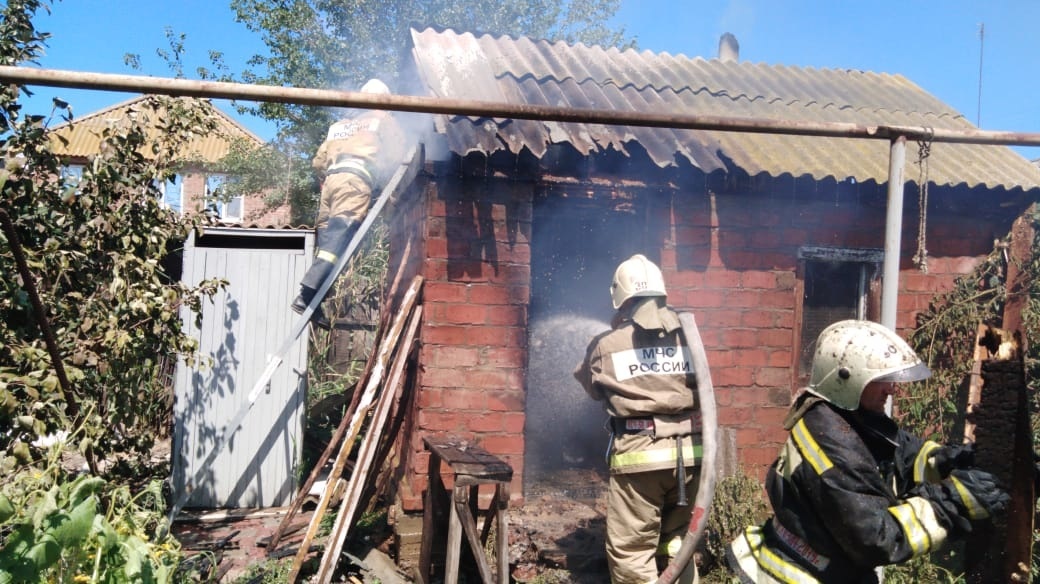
(486, 109)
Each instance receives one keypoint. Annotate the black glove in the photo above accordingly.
(984, 497)
(965, 496)
(950, 457)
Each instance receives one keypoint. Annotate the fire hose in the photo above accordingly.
(709, 429)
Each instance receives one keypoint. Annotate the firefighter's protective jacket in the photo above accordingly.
(843, 494)
(646, 379)
(369, 145)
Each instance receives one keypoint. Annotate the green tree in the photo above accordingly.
(95, 250)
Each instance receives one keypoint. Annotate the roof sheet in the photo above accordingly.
(81, 137)
(536, 72)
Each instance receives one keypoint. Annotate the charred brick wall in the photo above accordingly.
(476, 269)
(729, 255)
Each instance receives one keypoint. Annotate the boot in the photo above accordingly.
(303, 299)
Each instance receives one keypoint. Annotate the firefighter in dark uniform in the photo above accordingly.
(850, 490)
(642, 371)
(357, 156)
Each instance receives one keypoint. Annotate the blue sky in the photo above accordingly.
(934, 43)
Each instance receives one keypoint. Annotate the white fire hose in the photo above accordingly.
(709, 429)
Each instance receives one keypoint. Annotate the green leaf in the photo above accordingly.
(76, 526)
(6, 508)
(84, 488)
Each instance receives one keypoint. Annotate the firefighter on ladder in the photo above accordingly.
(850, 490)
(642, 371)
(357, 156)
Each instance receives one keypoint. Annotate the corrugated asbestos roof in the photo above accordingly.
(536, 72)
(83, 135)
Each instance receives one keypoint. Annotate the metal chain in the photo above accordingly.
(924, 150)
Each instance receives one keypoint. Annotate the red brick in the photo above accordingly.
(485, 423)
(450, 356)
(780, 338)
(469, 313)
(722, 279)
(503, 444)
(729, 416)
(433, 336)
(503, 357)
(732, 377)
(748, 357)
(750, 396)
(703, 298)
(439, 421)
(772, 377)
(505, 401)
(761, 455)
(748, 437)
(431, 397)
(445, 292)
(513, 422)
(763, 318)
(779, 358)
(492, 294)
(738, 338)
(720, 318)
(447, 377)
(436, 248)
(506, 315)
(771, 418)
(497, 336)
(465, 399)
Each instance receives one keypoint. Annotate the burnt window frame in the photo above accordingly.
(868, 261)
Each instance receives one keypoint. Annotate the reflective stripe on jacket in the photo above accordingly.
(841, 485)
(638, 372)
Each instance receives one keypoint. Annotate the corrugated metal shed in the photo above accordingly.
(241, 327)
(81, 137)
(536, 72)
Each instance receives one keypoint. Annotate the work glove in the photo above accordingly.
(967, 495)
(951, 457)
(980, 493)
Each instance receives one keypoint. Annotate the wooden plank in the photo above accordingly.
(469, 528)
(1021, 516)
(989, 555)
(364, 404)
(356, 485)
(431, 525)
(470, 460)
(348, 414)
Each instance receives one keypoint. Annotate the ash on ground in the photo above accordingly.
(558, 535)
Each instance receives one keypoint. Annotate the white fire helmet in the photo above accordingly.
(375, 86)
(636, 276)
(852, 353)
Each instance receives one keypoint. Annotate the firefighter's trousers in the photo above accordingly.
(644, 524)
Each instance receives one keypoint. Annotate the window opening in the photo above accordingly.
(837, 285)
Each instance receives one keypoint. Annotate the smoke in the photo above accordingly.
(565, 427)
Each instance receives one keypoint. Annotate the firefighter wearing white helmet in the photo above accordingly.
(356, 157)
(850, 490)
(642, 371)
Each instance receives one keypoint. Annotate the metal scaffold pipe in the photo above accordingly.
(464, 107)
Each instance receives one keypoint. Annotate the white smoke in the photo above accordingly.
(565, 427)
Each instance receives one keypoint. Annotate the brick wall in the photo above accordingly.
(731, 259)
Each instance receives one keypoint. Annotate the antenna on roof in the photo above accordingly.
(978, 107)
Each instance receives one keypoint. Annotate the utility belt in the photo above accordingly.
(352, 165)
(663, 426)
(659, 426)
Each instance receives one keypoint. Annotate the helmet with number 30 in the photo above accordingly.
(636, 276)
